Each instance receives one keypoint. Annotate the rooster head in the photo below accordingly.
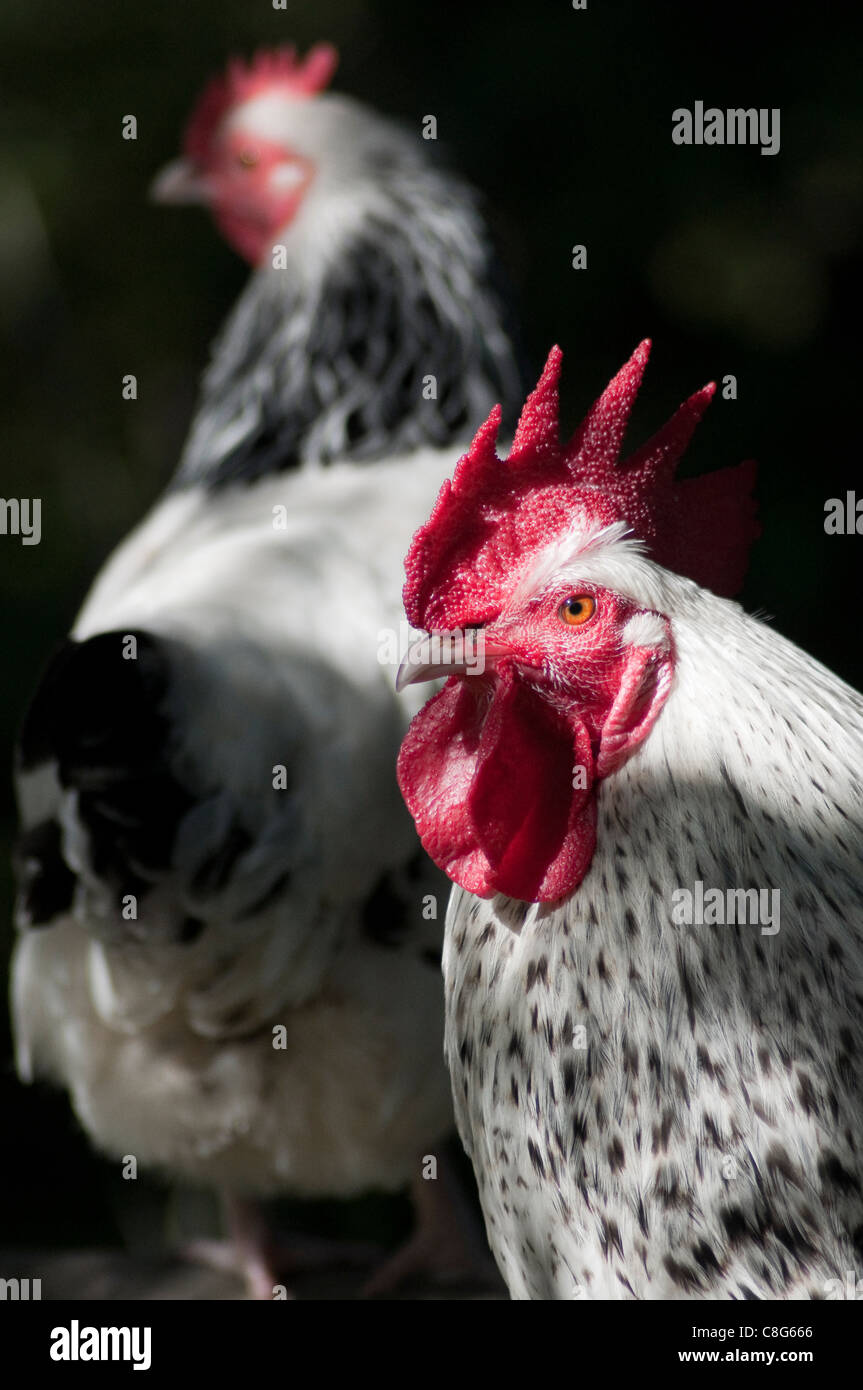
(527, 561)
(242, 156)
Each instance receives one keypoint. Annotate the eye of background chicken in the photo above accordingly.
(248, 159)
(577, 610)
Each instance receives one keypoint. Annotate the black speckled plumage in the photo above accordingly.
(665, 1110)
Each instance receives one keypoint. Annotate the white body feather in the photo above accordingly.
(167, 1049)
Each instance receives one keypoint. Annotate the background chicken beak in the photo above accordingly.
(178, 182)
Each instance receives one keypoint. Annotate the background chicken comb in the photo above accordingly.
(494, 513)
(270, 68)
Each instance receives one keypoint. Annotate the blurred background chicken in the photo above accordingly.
(231, 954)
(372, 324)
(657, 1105)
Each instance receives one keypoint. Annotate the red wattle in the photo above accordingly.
(488, 777)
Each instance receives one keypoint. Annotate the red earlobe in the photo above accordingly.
(646, 680)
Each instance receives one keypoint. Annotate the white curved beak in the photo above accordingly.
(179, 182)
(442, 654)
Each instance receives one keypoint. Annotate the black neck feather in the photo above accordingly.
(403, 341)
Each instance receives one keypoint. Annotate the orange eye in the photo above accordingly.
(577, 610)
(248, 159)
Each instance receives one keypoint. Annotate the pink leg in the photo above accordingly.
(447, 1245)
(251, 1251)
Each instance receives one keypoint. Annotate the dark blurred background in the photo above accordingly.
(732, 261)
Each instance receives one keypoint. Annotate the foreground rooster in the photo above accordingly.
(655, 1107)
(228, 960)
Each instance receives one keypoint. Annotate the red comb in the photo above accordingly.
(276, 68)
(493, 514)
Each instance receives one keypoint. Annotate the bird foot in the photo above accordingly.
(264, 1261)
(255, 1269)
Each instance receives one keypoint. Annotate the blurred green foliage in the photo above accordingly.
(732, 261)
